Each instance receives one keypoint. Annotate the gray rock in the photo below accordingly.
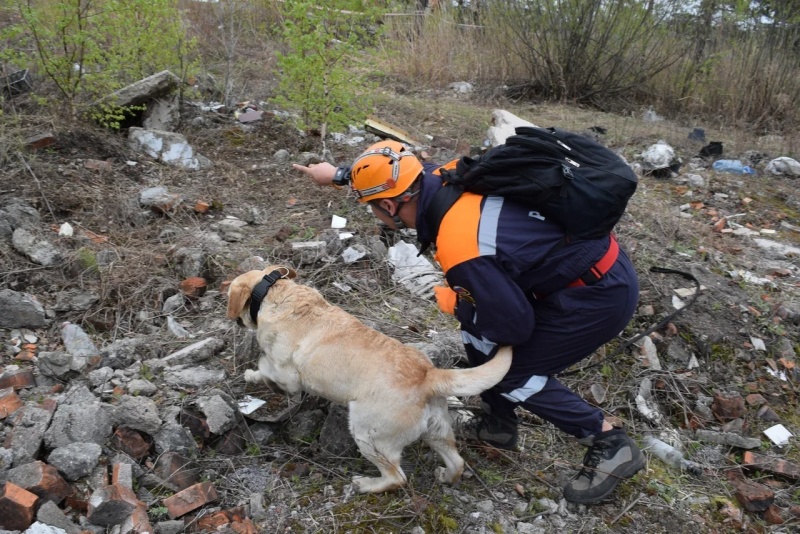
(100, 378)
(173, 437)
(254, 479)
(105, 511)
(282, 156)
(75, 460)
(138, 413)
(306, 425)
(126, 351)
(41, 528)
(6, 460)
(30, 424)
(78, 394)
(190, 262)
(20, 310)
(39, 251)
(334, 438)
(142, 387)
(196, 352)
(60, 365)
(50, 514)
(17, 213)
(727, 438)
(75, 300)
(195, 377)
(170, 527)
(220, 415)
(77, 342)
(78, 423)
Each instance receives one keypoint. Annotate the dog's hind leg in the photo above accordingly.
(381, 446)
(439, 437)
(387, 459)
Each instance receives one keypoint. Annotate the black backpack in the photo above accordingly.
(567, 177)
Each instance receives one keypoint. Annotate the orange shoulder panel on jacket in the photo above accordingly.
(449, 166)
(458, 234)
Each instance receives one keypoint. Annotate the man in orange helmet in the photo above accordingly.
(512, 280)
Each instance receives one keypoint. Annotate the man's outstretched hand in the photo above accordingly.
(320, 173)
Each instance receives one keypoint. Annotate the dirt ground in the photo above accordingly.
(669, 224)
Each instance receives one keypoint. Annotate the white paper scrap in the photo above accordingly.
(248, 404)
(338, 222)
(65, 230)
(677, 303)
(778, 434)
(758, 344)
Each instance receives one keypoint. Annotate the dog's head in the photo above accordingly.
(241, 289)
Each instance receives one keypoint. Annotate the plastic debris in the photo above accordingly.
(671, 456)
(414, 272)
(338, 222)
(733, 166)
(248, 404)
(784, 165)
(778, 435)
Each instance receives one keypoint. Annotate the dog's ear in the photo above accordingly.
(238, 295)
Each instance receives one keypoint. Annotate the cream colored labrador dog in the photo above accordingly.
(394, 393)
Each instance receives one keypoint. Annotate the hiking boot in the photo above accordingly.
(612, 457)
(491, 430)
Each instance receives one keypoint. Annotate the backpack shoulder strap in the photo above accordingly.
(442, 201)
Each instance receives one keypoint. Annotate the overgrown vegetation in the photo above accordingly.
(722, 62)
(89, 48)
(317, 72)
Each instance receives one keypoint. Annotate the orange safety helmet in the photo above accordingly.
(385, 170)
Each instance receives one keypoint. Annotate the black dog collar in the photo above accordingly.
(261, 289)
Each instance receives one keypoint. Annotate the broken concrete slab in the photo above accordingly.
(145, 90)
(169, 147)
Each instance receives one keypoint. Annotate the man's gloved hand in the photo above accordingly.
(446, 299)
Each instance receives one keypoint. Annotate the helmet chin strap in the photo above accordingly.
(406, 198)
(399, 224)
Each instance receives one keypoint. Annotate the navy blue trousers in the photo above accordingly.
(570, 325)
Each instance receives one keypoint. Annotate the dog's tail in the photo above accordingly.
(472, 381)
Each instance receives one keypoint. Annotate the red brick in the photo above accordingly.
(40, 141)
(194, 287)
(130, 442)
(773, 516)
(111, 505)
(17, 507)
(98, 165)
(727, 406)
(775, 466)
(202, 207)
(19, 379)
(213, 522)
(137, 522)
(9, 402)
(42, 480)
(755, 399)
(753, 496)
(176, 470)
(190, 499)
(245, 526)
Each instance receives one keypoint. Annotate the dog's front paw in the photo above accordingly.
(252, 377)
